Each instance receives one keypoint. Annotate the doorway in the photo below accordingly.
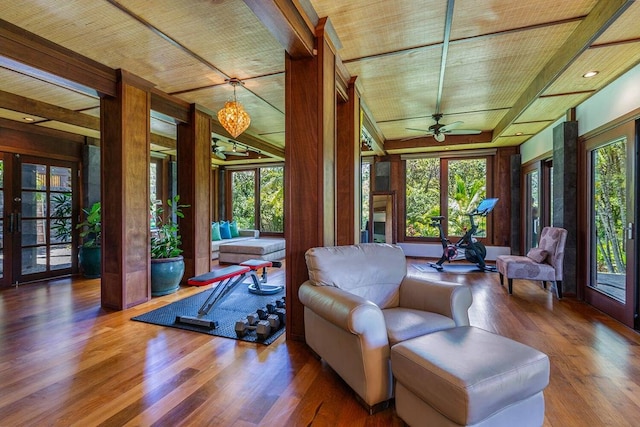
(37, 221)
(610, 166)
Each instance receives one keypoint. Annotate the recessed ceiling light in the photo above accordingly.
(590, 74)
(28, 119)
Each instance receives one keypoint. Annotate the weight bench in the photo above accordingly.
(258, 287)
(227, 278)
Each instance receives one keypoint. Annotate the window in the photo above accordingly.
(465, 182)
(257, 198)
(271, 199)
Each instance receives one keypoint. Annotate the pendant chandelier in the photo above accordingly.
(232, 116)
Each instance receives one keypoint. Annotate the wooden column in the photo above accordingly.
(310, 115)
(124, 168)
(194, 187)
(348, 168)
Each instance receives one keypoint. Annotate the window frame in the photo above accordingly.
(444, 159)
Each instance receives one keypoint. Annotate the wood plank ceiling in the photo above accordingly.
(507, 68)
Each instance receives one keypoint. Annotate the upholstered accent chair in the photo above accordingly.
(359, 301)
(544, 263)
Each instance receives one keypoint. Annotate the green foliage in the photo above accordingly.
(61, 217)
(165, 238)
(244, 198)
(466, 187)
(272, 199)
(91, 226)
(609, 199)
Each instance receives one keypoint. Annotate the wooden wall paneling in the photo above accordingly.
(32, 140)
(194, 169)
(124, 165)
(348, 168)
(308, 107)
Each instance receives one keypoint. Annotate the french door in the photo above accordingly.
(37, 207)
(611, 176)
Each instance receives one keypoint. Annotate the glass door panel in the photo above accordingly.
(610, 166)
(609, 220)
(532, 210)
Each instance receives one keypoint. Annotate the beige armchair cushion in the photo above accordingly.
(372, 271)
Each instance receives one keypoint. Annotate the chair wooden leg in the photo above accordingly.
(501, 279)
(510, 285)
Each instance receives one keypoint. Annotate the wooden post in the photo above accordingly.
(310, 206)
(348, 168)
(124, 170)
(194, 187)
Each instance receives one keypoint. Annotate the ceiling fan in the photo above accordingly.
(439, 130)
(222, 152)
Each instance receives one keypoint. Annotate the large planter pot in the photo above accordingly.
(166, 274)
(90, 259)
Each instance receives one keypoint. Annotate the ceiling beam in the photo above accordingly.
(603, 14)
(286, 24)
(57, 63)
(30, 106)
(428, 141)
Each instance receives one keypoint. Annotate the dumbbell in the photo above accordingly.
(263, 313)
(262, 328)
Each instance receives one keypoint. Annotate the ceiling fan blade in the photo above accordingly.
(450, 126)
(417, 136)
(237, 153)
(220, 155)
(429, 131)
(463, 132)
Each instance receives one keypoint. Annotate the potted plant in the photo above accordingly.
(90, 254)
(167, 263)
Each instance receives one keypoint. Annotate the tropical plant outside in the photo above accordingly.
(365, 179)
(244, 198)
(609, 199)
(466, 187)
(269, 195)
(165, 238)
(272, 199)
(61, 228)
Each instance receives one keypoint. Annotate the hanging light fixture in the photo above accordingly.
(232, 116)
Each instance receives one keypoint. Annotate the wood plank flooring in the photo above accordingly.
(65, 361)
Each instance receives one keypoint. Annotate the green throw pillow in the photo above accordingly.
(233, 227)
(215, 231)
(225, 232)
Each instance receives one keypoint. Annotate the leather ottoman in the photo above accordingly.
(468, 376)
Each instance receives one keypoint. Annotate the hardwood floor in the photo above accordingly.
(66, 361)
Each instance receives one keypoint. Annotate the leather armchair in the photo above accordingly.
(359, 302)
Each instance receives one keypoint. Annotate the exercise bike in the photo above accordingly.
(467, 247)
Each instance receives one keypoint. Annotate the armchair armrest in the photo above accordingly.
(343, 309)
(449, 299)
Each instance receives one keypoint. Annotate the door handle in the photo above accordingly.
(11, 225)
(630, 231)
